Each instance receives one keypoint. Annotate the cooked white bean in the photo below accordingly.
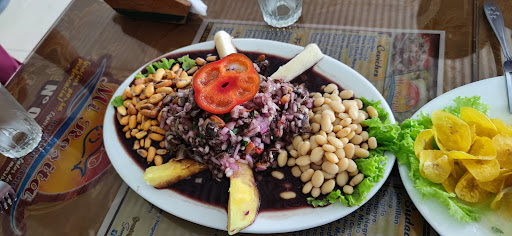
(304, 148)
(277, 174)
(330, 88)
(356, 179)
(372, 142)
(348, 189)
(323, 133)
(352, 174)
(359, 129)
(307, 187)
(359, 103)
(317, 95)
(315, 127)
(342, 164)
(331, 134)
(351, 135)
(349, 103)
(315, 192)
(303, 160)
(320, 140)
(343, 115)
(288, 195)
(361, 153)
(289, 147)
(296, 141)
(313, 142)
(330, 168)
(319, 101)
(342, 178)
(349, 150)
(335, 142)
(282, 158)
(357, 139)
(316, 154)
(306, 175)
(329, 148)
(325, 107)
(331, 157)
(353, 112)
(364, 134)
(335, 97)
(296, 172)
(327, 100)
(317, 118)
(364, 146)
(372, 111)
(294, 153)
(340, 153)
(346, 122)
(317, 179)
(304, 168)
(337, 106)
(326, 124)
(346, 94)
(352, 166)
(344, 141)
(330, 114)
(337, 127)
(328, 186)
(343, 132)
(291, 162)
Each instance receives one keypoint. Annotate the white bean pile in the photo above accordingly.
(325, 158)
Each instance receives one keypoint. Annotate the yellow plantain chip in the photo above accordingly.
(450, 182)
(483, 148)
(503, 145)
(495, 186)
(458, 155)
(496, 203)
(435, 165)
(472, 130)
(424, 141)
(484, 126)
(468, 190)
(438, 143)
(483, 170)
(451, 131)
(502, 127)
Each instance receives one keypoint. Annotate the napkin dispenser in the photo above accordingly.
(175, 11)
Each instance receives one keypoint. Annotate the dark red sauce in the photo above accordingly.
(202, 187)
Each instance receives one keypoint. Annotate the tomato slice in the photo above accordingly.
(220, 86)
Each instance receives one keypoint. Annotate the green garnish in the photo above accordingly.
(496, 230)
(253, 113)
(164, 64)
(150, 69)
(117, 101)
(473, 102)
(235, 130)
(186, 62)
(139, 75)
(245, 143)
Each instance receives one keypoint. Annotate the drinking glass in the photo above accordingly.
(280, 13)
(19, 132)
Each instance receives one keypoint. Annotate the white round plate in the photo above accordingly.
(493, 92)
(215, 217)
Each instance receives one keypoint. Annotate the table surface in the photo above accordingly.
(90, 31)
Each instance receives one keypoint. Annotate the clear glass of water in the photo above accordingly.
(19, 132)
(280, 13)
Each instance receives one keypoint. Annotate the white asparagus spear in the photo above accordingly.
(224, 44)
(300, 63)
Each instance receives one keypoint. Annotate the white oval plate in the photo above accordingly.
(493, 92)
(215, 217)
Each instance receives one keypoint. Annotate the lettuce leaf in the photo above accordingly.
(473, 102)
(186, 62)
(404, 152)
(117, 101)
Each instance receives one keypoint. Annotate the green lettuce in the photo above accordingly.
(186, 62)
(117, 101)
(404, 152)
(373, 166)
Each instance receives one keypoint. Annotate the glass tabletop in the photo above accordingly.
(69, 78)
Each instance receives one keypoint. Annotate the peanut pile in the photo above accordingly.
(142, 107)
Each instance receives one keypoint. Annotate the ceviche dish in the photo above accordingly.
(251, 132)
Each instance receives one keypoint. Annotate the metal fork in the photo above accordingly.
(7, 196)
(495, 18)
